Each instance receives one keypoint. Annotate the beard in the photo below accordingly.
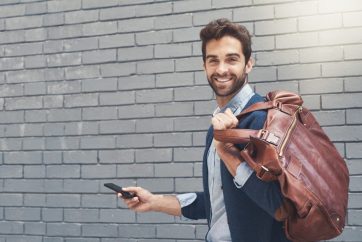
(230, 89)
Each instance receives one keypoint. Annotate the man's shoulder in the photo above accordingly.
(256, 119)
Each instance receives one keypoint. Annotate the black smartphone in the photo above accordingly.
(119, 189)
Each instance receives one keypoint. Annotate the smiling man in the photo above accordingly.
(237, 205)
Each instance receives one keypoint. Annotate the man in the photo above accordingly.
(237, 205)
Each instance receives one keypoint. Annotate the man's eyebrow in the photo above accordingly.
(233, 54)
(211, 56)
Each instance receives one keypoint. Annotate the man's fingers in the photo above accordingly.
(230, 114)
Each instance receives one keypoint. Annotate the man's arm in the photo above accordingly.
(146, 201)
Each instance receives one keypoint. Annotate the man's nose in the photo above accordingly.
(222, 68)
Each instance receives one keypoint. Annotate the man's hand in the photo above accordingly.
(226, 120)
(145, 201)
(227, 152)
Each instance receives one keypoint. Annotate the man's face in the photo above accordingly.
(225, 66)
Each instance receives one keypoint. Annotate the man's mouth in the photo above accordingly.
(222, 79)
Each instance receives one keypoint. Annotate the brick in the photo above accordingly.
(35, 8)
(117, 126)
(320, 22)
(8, 199)
(99, 56)
(296, 9)
(127, 12)
(172, 139)
(81, 100)
(353, 150)
(173, 21)
(136, 82)
(174, 109)
(98, 171)
(155, 66)
(52, 46)
(81, 215)
(173, 170)
(264, 88)
(35, 228)
(55, 101)
(299, 71)
(354, 116)
(12, 36)
(173, 50)
(12, 10)
(135, 171)
(203, 18)
(344, 133)
(340, 36)
(101, 84)
(65, 31)
(154, 125)
(22, 214)
(62, 143)
(297, 40)
(65, 59)
(186, 34)
(135, 25)
(11, 227)
(63, 200)
(23, 157)
(60, 6)
(119, 69)
(205, 107)
(11, 90)
(24, 22)
(330, 117)
(116, 156)
(176, 231)
(347, 68)
(100, 201)
(97, 142)
(63, 171)
(155, 217)
(191, 6)
(193, 93)
(53, 19)
(253, 13)
(153, 155)
(192, 123)
(157, 184)
(89, 43)
(184, 185)
(103, 230)
(188, 154)
(137, 231)
(63, 229)
(189, 64)
(11, 171)
(174, 79)
(81, 16)
(355, 184)
(64, 87)
(80, 186)
(118, 40)
(34, 200)
(321, 54)
(154, 9)
(136, 111)
(352, 52)
(35, 35)
(326, 6)
(97, 4)
(37, 61)
(12, 63)
(82, 72)
(117, 216)
(99, 28)
(11, 144)
(355, 168)
(117, 98)
(23, 49)
(352, 19)
(23, 103)
(135, 53)
(32, 116)
(154, 95)
(317, 86)
(64, 115)
(33, 144)
(154, 37)
(81, 128)
(99, 113)
(52, 214)
(277, 57)
(276, 27)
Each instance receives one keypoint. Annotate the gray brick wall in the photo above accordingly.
(96, 91)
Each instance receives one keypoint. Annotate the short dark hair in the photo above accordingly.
(219, 28)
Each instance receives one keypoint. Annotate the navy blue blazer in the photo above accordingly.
(250, 209)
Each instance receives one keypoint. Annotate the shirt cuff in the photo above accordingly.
(243, 172)
(186, 199)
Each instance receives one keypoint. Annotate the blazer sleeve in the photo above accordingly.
(266, 195)
(196, 210)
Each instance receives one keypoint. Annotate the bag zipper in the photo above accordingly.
(291, 128)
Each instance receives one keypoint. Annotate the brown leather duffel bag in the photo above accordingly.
(293, 149)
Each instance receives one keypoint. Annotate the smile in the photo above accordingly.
(223, 80)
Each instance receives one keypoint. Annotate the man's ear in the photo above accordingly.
(249, 65)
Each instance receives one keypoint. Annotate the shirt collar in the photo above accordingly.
(238, 102)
